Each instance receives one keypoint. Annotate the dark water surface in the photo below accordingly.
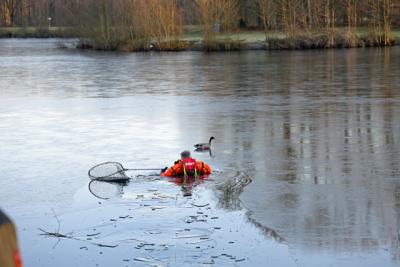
(317, 132)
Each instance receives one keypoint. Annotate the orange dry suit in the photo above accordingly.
(9, 254)
(188, 167)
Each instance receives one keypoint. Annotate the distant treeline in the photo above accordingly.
(141, 24)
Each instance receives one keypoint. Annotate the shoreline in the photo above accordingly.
(33, 32)
(241, 41)
(280, 45)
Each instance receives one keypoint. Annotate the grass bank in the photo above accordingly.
(37, 32)
(258, 40)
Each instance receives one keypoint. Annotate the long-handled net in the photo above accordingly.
(112, 171)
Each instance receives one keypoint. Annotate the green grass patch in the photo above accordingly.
(396, 33)
(36, 32)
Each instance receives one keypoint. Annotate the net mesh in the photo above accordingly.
(108, 171)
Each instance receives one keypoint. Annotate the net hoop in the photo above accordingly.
(108, 171)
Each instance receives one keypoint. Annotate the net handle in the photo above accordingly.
(145, 169)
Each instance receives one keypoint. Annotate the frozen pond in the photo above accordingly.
(317, 132)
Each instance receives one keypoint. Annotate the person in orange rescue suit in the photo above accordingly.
(187, 167)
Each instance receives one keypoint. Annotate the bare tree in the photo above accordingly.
(387, 6)
(139, 23)
(216, 14)
(158, 21)
(287, 11)
(265, 12)
(351, 7)
(330, 21)
(380, 20)
(166, 22)
(10, 9)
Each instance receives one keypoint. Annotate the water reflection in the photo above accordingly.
(230, 188)
(331, 176)
(267, 232)
(203, 151)
(187, 184)
(106, 190)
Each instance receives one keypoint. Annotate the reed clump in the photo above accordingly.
(338, 39)
(134, 25)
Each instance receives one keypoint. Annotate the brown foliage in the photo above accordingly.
(216, 15)
(132, 24)
(139, 24)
